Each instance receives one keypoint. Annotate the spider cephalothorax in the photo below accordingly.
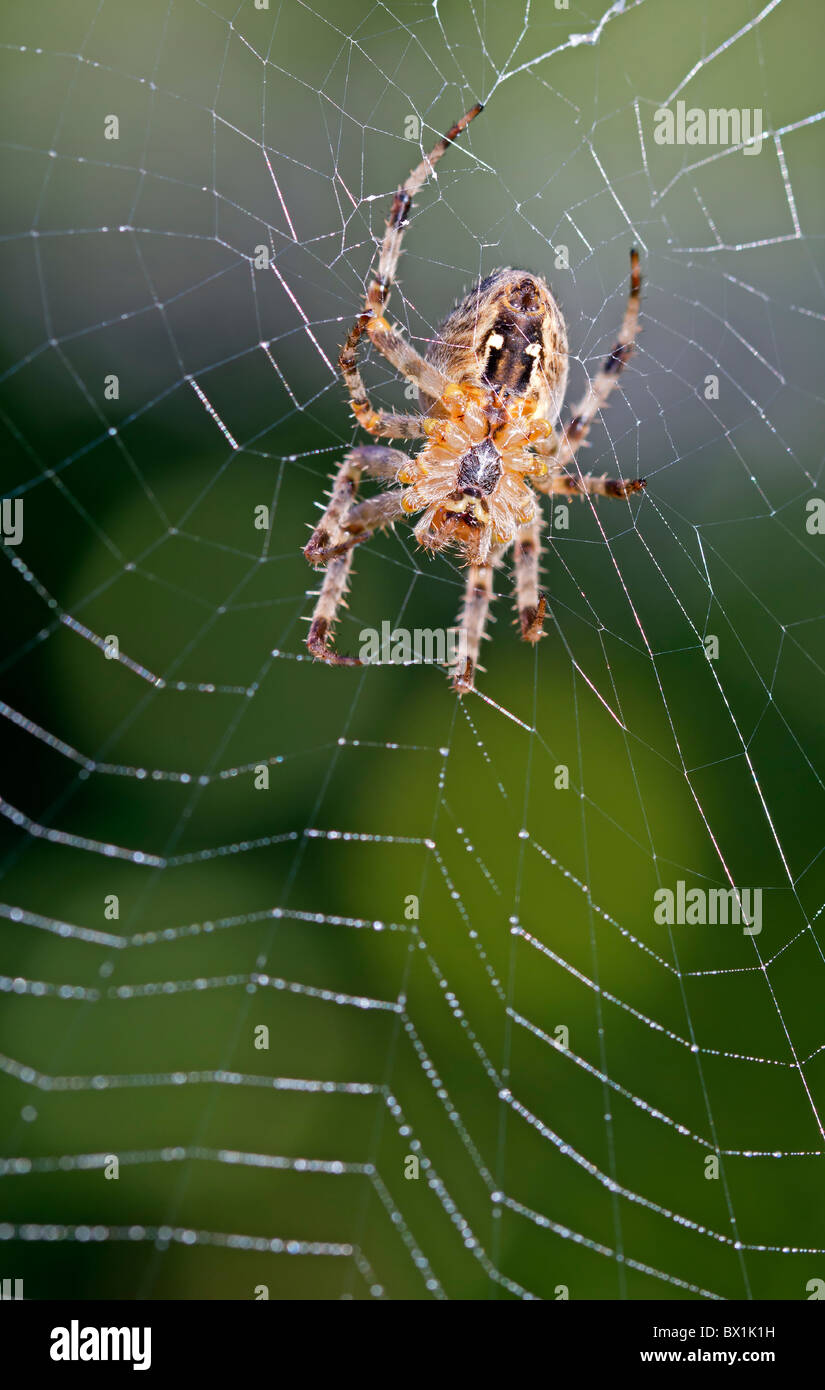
(470, 479)
(491, 388)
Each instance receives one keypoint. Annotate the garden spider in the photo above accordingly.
(492, 385)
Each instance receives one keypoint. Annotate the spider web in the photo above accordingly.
(600, 1105)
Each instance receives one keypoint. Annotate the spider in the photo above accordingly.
(491, 385)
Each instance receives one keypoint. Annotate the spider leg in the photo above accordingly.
(372, 322)
(606, 380)
(377, 461)
(403, 356)
(530, 601)
(478, 595)
(588, 485)
(360, 523)
(379, 290)
(331, 596)
(371, 515)
(332, 542)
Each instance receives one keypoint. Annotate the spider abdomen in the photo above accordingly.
(507, 333)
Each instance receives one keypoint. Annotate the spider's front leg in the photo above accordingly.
(530, 601)
(330, 598)
(343, 526)
(478, 595)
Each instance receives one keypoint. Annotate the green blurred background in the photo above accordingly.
(287, 127)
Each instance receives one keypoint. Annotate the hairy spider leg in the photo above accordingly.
(531, 603)
(563, 453)
(344, 525)
(589, 485)
(372, 322)
(478, 595)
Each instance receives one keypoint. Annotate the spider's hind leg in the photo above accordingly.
(371, 320)
(588, 485)
(605, 381)
(343, 526)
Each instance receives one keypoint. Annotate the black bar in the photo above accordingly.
(222, 1338)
